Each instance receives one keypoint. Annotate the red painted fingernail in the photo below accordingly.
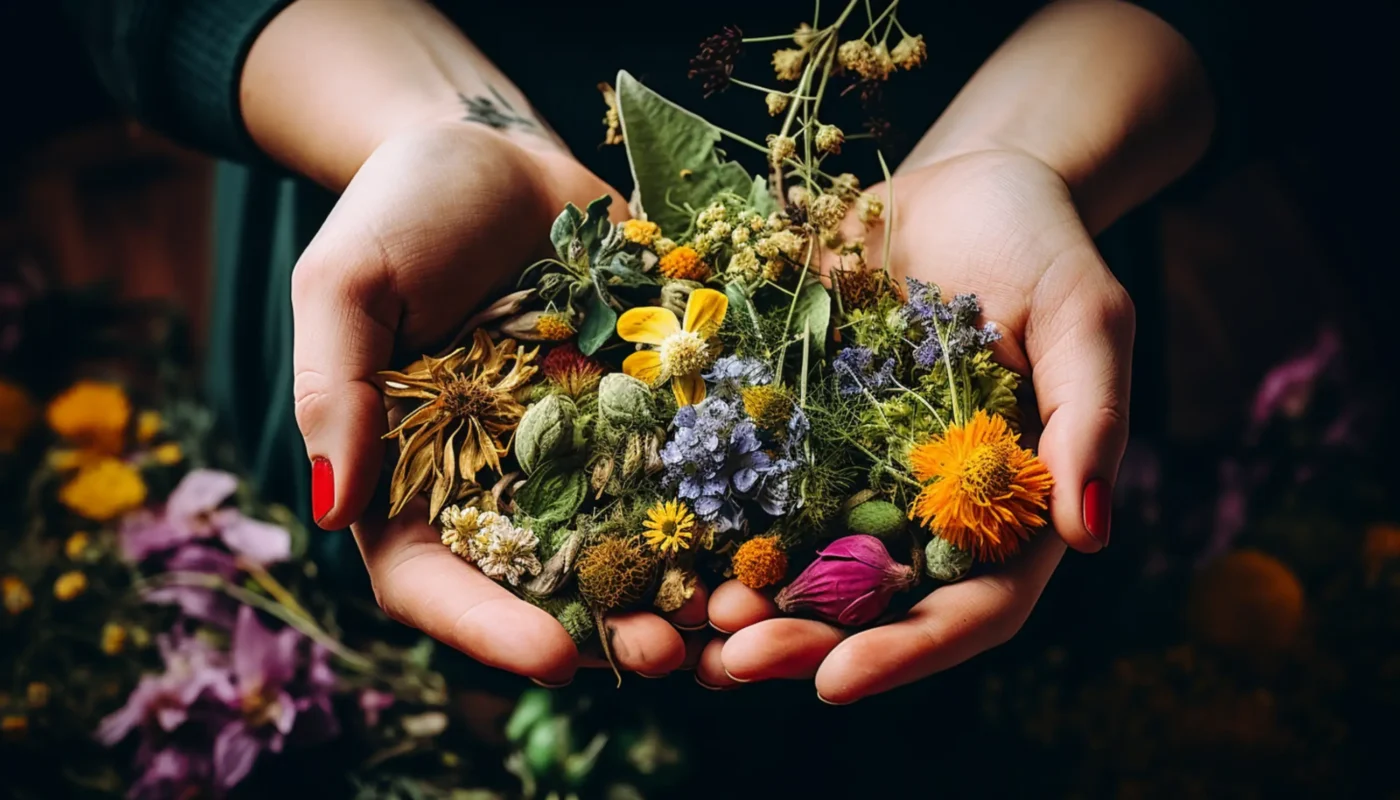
(1098, 509)
(322, 488)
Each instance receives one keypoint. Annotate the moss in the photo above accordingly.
(615, 572)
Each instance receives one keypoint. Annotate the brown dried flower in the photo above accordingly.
(466, 419)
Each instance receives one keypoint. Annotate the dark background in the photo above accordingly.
(1289, 227)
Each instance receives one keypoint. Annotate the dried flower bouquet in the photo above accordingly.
(723, 383)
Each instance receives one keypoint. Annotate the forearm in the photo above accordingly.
(1105, 93)
(328, 80)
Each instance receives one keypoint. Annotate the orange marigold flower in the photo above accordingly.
(93, 414)
(1247, 601)
(987, 492)
(760, 562)
(640, 231)
(684, 264)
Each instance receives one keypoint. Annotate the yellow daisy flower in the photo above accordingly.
(987, 491)
(104, 490)
(683, 350)
(669, 526)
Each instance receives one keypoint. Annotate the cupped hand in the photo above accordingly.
(436, 222)
(1002, 225)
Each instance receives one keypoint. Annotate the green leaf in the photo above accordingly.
(564, 229)
(760, 198)
(599, 321)
(664, 139)
(595, 227)
(623, 269)
(553, 494)
(813, 313)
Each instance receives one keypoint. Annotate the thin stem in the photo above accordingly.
(741, 139)
(776, 38)
(880, 18)
(765, 89)
(958, 417)
(937, 416)
(889, 213)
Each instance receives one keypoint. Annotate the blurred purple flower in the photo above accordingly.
(193, 670)
(372, 702)
(197, 602)
(1287, 388)
(173, 773)
(193, 512)
(272, 698)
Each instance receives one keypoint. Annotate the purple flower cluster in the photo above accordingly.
(729, 374)
(205, 720)
(955, 319)
(855, 372)
(179, 535)
(715, 459)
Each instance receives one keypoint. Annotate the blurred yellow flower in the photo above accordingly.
(14, 726)
(17, 415)
(168, 454)
(93, 414)
(16, 595)
(148, 424)
(104, 490)
(1382, 546)
(113, 638)
(70, 585)
(76, 545)
(37, 694)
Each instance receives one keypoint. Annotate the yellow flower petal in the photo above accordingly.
(704, 313)
(689, 389)
(644, 365)
(648, 325)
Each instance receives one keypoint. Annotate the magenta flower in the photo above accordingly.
(850, 583)
(194, 511)
(194, 670)
(173, 773)
(197, 602)
(273, 696)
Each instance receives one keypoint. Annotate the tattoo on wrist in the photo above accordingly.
(496, 112)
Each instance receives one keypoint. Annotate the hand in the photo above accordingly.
(436, 221)
(1002, 225)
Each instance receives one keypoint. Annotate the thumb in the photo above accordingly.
(344, 315)
(1079, 339)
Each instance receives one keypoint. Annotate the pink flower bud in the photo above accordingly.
(850, 583)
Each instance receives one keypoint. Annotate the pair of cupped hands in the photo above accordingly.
(440, 219)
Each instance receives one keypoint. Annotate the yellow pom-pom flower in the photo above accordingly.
(682, 349)
(16, 595)
(669, 527)
(554, 326)
(77, 545)
(984, 492)
(759, 562)
(93, 414)
(104, 490)
(640, 231)
(684, 264)
(113, 638)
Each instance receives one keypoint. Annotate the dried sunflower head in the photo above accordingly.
(465, 422)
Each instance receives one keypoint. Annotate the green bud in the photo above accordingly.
(534, 706)
(877, 518)
(546, 429)
(624, 401)
(944, 562)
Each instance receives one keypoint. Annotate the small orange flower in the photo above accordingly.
(684, 264)
(760, 562)
(987, 492)
(93, 414)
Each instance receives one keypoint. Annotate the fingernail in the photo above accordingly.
(830, 703)
(1098, 510)
(544, 685)
(711, 686)
(721, 630)
(702, 626)
(322, 488)
(649, 677)
(737, 680)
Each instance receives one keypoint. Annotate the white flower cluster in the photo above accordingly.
(500, 549)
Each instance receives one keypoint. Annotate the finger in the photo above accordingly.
(344, 315)
(644, 643)
(1080, 338)
(420, 583)
(779, 648)
(709, 672)
(694, 614)
(946, 628)
(734, 606)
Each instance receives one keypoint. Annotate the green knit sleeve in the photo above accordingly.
(175, 64)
